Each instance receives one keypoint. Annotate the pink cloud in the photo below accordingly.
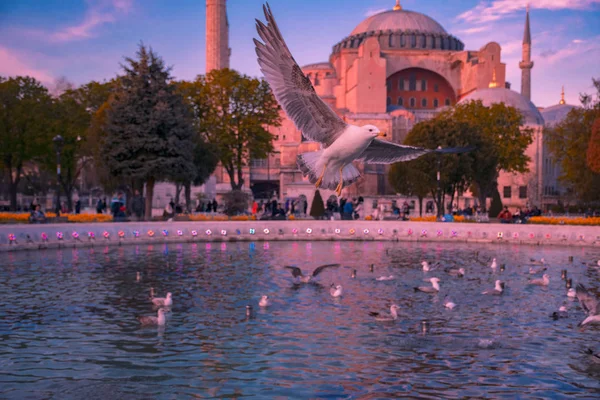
(100, 12)
(14, 64)
(487, 12)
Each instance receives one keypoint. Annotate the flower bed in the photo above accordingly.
(7, 217)
(564, 221)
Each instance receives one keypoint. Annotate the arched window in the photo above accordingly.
(391, 41)
(423, 103)
(447, 102)
(412, 83)
(413, 41)
(402, 40)
(316, 79)
(413, 102)
(388, 101)
(436, 87)
(423, 85)
(401, 84)
(388, 84)
(400, 101)
(435, 103)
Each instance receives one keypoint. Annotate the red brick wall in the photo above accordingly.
(432, 80)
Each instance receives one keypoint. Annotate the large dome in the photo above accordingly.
(531, 114)
(556, 114)
(399, 20)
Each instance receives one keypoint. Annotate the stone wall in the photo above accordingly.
(108, 234)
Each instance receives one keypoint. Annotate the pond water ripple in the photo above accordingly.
(68, 326)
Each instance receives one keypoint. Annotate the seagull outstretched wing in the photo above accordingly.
(292, 88)
(320, 269)
(385, 152)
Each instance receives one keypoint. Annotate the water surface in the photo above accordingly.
(68, 328)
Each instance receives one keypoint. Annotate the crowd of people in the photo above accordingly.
(520, 216)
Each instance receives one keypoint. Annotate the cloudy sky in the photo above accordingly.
(85, 40)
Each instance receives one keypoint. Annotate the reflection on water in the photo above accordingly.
(68, 326)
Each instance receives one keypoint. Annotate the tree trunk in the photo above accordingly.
(149, 194)
(13, 195)
(177, 192)
(188, 196)
(234, 186)
(420, 206)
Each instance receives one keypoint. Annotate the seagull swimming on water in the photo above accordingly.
(385, 278)
(381, 317)
(545, 281)
(497, 290)
(297, 272)
(590, 305)
(336, 290)
(434, 288)
(459, 272)
(427, 267)
(163, 301)
(264, 301)
(331, 167)
(151, 320)
(449, 303)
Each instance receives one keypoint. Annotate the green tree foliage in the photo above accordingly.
(149, 132)
(25, 109)
(501, 144)
(410, 181)
(456, 170)
(232, 112)
(593, 151)
(71, 121)
(235, 202)
(569, 142)
(317, 209)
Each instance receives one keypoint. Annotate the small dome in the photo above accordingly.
(556, 114)
(399, 20)
(489, 96)
(317, 66)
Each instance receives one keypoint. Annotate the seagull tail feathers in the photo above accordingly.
(310, 165)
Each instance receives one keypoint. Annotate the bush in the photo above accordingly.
(236, 202)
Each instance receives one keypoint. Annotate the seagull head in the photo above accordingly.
(436, 280)
(372, 131)
(169, 295)
(265, 297)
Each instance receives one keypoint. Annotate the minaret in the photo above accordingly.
(562, 96)
(217, 35)
(526, 64)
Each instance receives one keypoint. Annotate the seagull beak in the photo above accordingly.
(381, 134)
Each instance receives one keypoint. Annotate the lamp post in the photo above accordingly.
(58, 144)
(440, 210)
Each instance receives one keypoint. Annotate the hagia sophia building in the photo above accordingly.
(395, 69)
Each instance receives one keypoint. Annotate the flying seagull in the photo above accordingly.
(297, 272)
(590, 305)
(331, 167)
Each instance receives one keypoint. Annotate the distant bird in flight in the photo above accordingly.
(297, 272)
(331, 167)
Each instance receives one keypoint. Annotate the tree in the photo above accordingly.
(70, 120)
(501, 144)
(232, 112)
(149, 131)
(410, 181)
(593, 151)
(456, 170)
(317, 209)
(570, 142)
(25, 109)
